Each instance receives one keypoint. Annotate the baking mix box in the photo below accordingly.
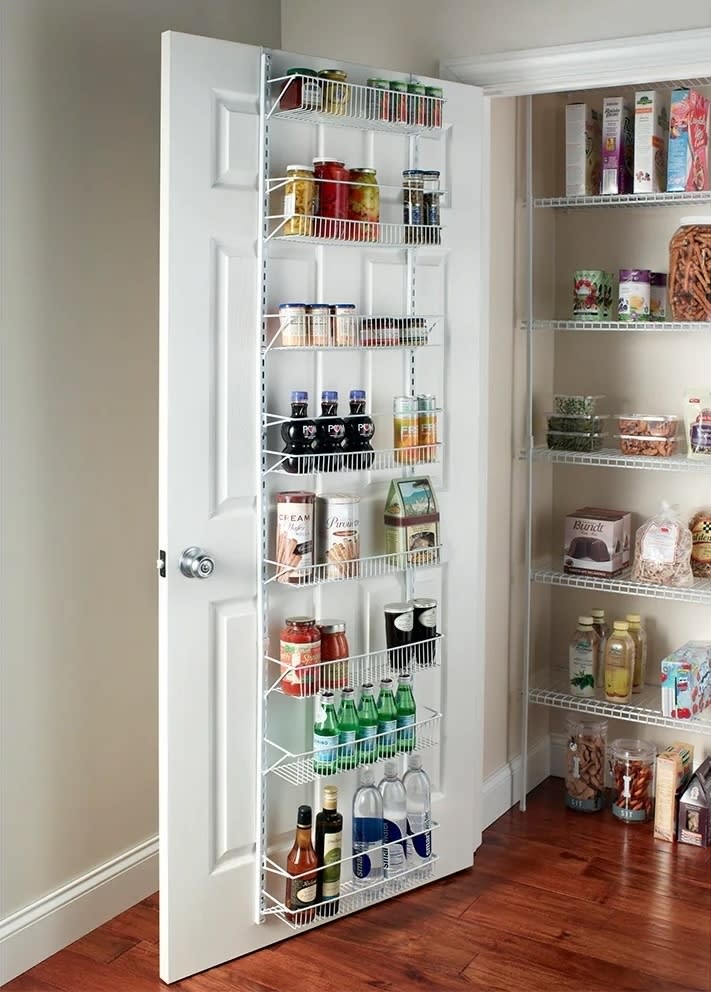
(617, 145)
(597, 542)
(695, 808)
(583, 134)
(686, 680)
(651, 131)
(688, 155)
(412, 519)
(672, 773)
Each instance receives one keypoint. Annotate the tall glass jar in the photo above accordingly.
(632, 765)
(585, 764)
(364, 204)
(639, 636)
(583, 658)
(689, 277)
(331, 196)
(619, 664)
(299, 200)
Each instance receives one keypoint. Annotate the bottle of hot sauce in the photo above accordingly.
(302, 862)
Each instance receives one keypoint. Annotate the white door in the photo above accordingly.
(212, 488)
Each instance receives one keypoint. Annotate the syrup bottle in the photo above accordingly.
(299, 434)
(330, 434)
(359, 433)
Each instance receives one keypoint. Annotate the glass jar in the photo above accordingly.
(583, 658)
(334, 96)
(632, 765)
(434, 95)
(639, 636)
(300, 656)
(292, 325)
(413, 204)
(334, 648)
(585, 761)
(378, 100)
(619, 664)
(416, 104)
(431, 211)
(398, 101)
(299, 200)
(689, 276)
(399, 626)
(318, 321)
(364, 204)
(331, 195)
(634, 295)
(658, 296)
(302, 91)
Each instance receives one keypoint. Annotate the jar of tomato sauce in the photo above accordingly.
(300, 656)
(334, 648)
(332, 195)
(302, 91)
(364, 204)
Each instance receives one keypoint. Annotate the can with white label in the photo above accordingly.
(294, 537)
(338, 534)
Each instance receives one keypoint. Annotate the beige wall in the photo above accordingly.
(79, 220)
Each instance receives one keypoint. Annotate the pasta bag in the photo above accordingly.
(700, 527)
(662, 550)
(697, 417)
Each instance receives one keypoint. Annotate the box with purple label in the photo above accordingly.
(686, 680)
(617, 146)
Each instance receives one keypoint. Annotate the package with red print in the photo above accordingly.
(686, 680)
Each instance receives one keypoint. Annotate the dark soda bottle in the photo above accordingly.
(359, 433)
(330, 435)
(299, 433)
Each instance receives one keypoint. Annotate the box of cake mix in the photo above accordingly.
(617, 145)
(651, 130)
(688, 154)
(597, 542)
(582, 150)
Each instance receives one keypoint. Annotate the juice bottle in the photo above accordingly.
(359, 433)
(330, 434)
(583, 658)
(639, 636)
(299, 434)
(619, 664)
(600, 625)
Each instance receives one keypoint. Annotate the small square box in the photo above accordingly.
(597, 542)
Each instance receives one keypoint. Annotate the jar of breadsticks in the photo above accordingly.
(689, 282)
(632, 765)
(337, 535)
(585, 759)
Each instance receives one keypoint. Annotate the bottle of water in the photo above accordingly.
(394, 821)
(367, 832)
(419, 812)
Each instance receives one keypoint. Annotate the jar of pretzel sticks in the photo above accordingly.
(585, 758)
(689, 280)
(632, 764)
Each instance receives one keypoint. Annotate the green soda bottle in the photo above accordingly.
(367, 725)
(347, 729)
(325, 735)
(406, 714)
(387, 720)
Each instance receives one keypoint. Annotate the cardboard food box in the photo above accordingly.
(583, 134)
(695, 808)
(687, 167)
(597, 542)
(412, 520)
(674, 766)
(617, 145)
(651, 131)
(686, 680)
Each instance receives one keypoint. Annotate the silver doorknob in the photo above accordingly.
(196, 564)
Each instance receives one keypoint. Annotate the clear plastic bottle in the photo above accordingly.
(583, 658)
(394, 821)
(639, 636)
(619, 664)
(367, 831)
(419, 812)
(603, 632)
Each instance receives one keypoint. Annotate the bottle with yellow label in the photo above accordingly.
(639, 636)
(619, 664)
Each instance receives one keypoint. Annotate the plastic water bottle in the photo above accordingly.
(419, 812)
(394, 821)
(367, 831)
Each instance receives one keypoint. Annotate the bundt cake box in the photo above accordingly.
(597, 542)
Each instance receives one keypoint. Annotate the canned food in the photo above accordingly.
(344, 325)
(334, 98)
(364, 204)
(378, 100)
(592, 294)
(319, 321)
(302, 91)
(338, 534)
(632, 764)
(292, 325)
(434, 96)
(299, 199)
(398, 101)
(294, 537)
(585, 764)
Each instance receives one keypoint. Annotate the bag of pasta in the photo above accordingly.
(662, 550)
(700, 527)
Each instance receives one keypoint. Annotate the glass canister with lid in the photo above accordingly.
(689, 276)
(632, 764)
(585, 759)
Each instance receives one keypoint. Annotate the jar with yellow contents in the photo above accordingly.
(364, 204)
(299, 200)
(334, 96)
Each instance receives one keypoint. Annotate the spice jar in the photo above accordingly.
(583, 658)
(413, 204)
(302, 91)
(634, 295)
(334, 649)
(431, 211)
(619, 664)
(416, 103)
(364, 204)
(426, 427)
(632, 764)
(639, 636)
(292, 325)
(299, 200)
(690, 270)
(334, 99)
(585, 759)
(300, 656)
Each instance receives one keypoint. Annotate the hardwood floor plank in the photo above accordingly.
(103, 945)
(138, 923)
(29, 983)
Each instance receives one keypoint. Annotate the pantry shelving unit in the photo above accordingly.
(613, 458)
(627, 327)
(624, 200)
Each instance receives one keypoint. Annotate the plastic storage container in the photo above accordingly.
(643, 424)
(689, 277)
(585, 758)
(564, 441)
(635, 444)
(572, 424)
(576, 405)
(632, 765)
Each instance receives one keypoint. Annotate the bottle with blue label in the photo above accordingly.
(299, 435)
(359, 433)
(330, 435)
(347, 729)
(406, 713)
(394, 822)
(387, 720)
(367, 832)
(326, 735)
(367, 725)
(419, 813)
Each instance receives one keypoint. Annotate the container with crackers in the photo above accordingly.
(585, 764)
(647, 434)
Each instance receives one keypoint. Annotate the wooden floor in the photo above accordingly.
(556, 901)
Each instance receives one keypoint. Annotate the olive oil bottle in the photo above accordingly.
(329, 845)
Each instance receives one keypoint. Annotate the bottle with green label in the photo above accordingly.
(406, 713)
(347, 729)
(367, 725)
(583, 658)
(387, 720)
(326, 735)
(329, 844)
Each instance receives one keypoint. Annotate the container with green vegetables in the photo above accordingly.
(572, 424)
(565, 441)
(577, 406)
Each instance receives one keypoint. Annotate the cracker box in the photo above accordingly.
(687, 166)
(686, 680)
(412, 520)
(695, 808)
(673, 771)
(597, 542)
(651, 131)
(617, 145)
(583, 134)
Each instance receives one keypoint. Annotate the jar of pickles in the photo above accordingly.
(334, 96)
(299, 200)
(364, 204)
(632, 765)
(585, 760)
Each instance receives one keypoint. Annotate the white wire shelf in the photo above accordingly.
(699, 592)
(350, 897)
(364, 107)
(645, 707)
(298, 769)
(613, 458)
(307, 229)
(625, 200)
(359, 568)
(304, 682)
(353, 461)
(357, 332)
(625, 326)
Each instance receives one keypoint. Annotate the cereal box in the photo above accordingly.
(674, 766)
(412, 520)
(617, 145)
(695, 808)
(582, 150)
(686, 680)
(597, 542)
(651, 130)
(687, 167)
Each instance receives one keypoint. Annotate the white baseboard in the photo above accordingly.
(46, 926)
(502, 789)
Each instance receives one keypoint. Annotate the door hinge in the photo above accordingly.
(160, 564)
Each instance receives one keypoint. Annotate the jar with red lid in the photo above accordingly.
(334, 648)
(332, 195)
(300, 656)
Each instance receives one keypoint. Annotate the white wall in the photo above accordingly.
(79, 131)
